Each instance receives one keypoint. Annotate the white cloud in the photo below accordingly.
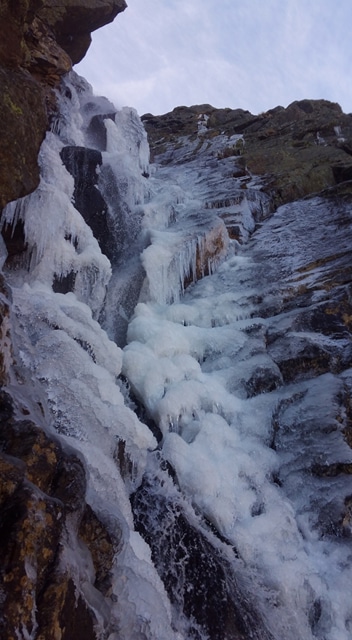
(251, 54)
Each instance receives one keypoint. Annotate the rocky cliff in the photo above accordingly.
(39, 42)
(50, 535)
(300, 150)
(42, 493)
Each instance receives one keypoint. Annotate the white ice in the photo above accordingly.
(189, 356)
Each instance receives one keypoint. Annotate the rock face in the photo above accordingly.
(39, 42)
(300, 150)
(72, 22)
(42, 499)
(297, 305)
(42, 486)
(82, 164)
(203, 592)
(22, 110)
(56, 553)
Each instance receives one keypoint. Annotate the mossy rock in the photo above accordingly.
(23, 123)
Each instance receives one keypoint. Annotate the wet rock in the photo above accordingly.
(346, 520)
(211, 249)
(30, 531)
(346, 405)
(96, 131)
(299, 356)
(332, 318)
(103, 544)
(6, 354)
(197, 576)
(331, 470)
(63, 613)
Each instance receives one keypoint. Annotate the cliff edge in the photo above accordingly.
(40, 40)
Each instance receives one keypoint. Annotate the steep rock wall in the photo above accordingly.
(39, 42)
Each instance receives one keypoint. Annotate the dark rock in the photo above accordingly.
(64, 284)
(14, 19)
(331, 470)
(15, 242)
(263, 380)
(342, 173)
(96, 131)
(42, 498)
(83, 163)
(6, 351)
(39, 41)
(346, 404)
(198, 578)
(72, 21)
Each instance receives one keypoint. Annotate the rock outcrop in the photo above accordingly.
(56, 552)
(39, 42)
(43, 512)
(300, 150)
(72, 22)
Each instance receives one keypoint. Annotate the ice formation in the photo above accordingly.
(188, 356)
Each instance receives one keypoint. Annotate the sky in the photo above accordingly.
(248, 54)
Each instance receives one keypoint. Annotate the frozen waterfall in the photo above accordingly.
(155, 316)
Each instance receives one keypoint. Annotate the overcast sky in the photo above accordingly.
(252, 54)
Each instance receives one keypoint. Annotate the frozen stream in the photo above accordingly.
(241, 441)
(228, 489)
